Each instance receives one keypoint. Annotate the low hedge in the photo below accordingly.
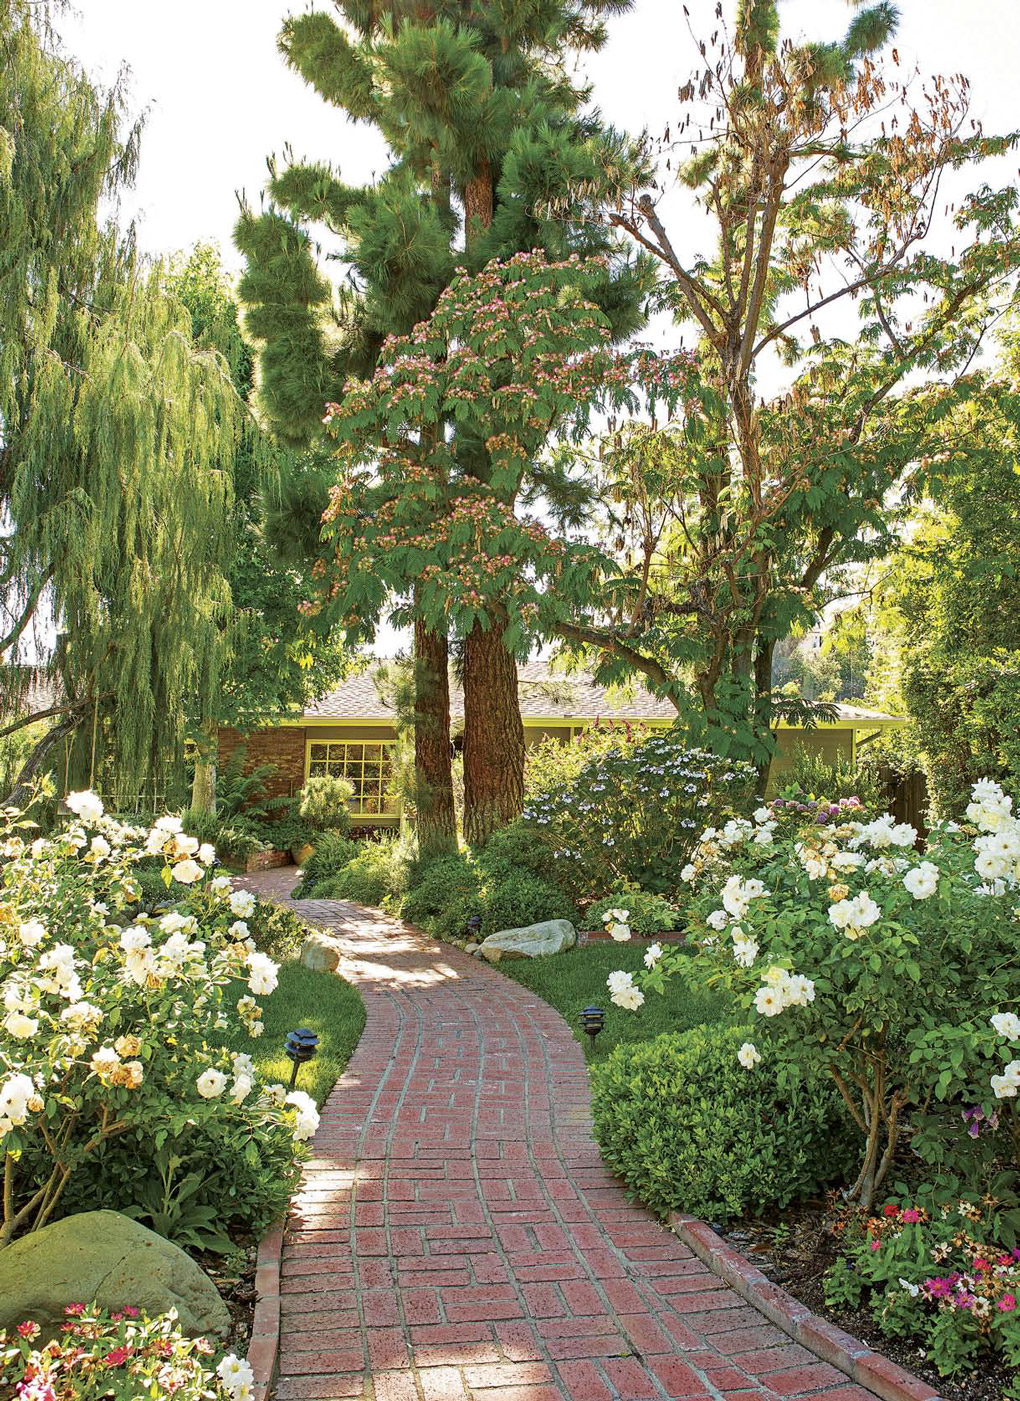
(689, 1129)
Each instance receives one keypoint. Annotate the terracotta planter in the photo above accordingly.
(300, 854)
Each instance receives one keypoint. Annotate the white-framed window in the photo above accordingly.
(366, 763)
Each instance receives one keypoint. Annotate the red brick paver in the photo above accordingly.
(456, 1236)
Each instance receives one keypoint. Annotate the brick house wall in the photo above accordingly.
(283, 747)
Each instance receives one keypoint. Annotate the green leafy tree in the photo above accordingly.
(486, 131)
(117, 437)
(512, 356)
(275, 659)
(820, 178)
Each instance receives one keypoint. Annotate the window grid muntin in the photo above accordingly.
(368, 764)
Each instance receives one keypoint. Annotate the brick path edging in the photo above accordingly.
(830, 1344)
(264, 1348)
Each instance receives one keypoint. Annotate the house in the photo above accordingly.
(351, 731)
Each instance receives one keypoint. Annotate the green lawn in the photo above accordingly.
(326, 1005)
(575, 980)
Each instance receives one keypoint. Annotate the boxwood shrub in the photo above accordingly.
(689, 1129)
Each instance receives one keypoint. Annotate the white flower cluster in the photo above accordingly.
(168, 839)
(237, 1378)
(616, 924)
(623, 992)
(855, 915)
(884, 832)
(997, 850)
(1006, 1085)
(781, 989)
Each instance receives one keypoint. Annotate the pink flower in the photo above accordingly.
(28, 1329)
(876, 1245)
(1007, 1303)
(118, 1355)
(74, 1310)
(911, 1214)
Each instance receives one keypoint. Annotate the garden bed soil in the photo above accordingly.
(795, 1251)
(234, 1277)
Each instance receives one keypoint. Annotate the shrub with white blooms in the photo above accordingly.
(113, 1021)
(896, 970)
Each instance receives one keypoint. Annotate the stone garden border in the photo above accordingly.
(861, 1363)
(264, 1348)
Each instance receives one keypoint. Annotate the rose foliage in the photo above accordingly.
(114, 1022)
(894, 969)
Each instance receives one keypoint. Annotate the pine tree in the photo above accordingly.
(486, 133)
(116, 437)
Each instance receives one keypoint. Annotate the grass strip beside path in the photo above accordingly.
(323, 1003)
(577, 979)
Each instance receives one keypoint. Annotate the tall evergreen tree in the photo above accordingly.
(486, 133)
(116, 437)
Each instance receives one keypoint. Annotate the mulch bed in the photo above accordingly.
(796, 1250)
(234, 1277)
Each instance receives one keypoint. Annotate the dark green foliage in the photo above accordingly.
(812, 775)
(372, 875)
(324, 803)
(514, 848)
(277, 931)
(689, 1129)
(520, 898)
(646, 913)
(442, 896)
(333, 850)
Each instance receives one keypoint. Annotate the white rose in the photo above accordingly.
(239, 929)
(235, 1372)
(88, 807)
(620, 932)
(745, 951)
(768, 1002)
(922, 881)
(211, 1083)
(207, 853)
(187, 871)
(652, 955)
(167, 824)
(718, 919)
(32, 933)
(240, 1089)
(100, 846)
(689, 872)
(134, 939)
(762, 814)
(220, 885)
(1007, 1025)
(20, 1026)
(749, 1055)
(630, 998)
(174, 922)
(242, 903)
(263, 974)
(1003, 1087)
(306, 1115)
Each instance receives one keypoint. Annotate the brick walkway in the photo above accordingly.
(457, 1236)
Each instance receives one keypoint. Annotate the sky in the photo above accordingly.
(219, 98)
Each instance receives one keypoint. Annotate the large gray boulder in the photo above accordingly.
(105, 1257)
(320, 952)
(533, 941)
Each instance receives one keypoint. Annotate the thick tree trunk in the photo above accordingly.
(36, 762)
(203, 785)
(436, 821)
(493, 735)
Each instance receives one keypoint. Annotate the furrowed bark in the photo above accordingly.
(435, 821)
(493, 734)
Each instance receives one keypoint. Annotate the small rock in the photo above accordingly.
(532, 941)
(320, 952)
(470, 948)
(106, 1257)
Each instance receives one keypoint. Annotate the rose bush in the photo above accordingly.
(895, 970)
(113, 1021)
(123, 1356)
(633, 813)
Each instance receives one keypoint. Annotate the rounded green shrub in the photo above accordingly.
(521, 898)
(689, 1129)
(368, 879)
(443, 894)
(511, 849)
(325, 803)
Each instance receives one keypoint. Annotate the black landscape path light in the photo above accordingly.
(592, 1020)
(474, 926)
(300, 1046)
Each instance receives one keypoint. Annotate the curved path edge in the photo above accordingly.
(860, 1362)
(457, 1236)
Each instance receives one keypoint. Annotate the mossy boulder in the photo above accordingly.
(532, 941)
(105, 1257)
